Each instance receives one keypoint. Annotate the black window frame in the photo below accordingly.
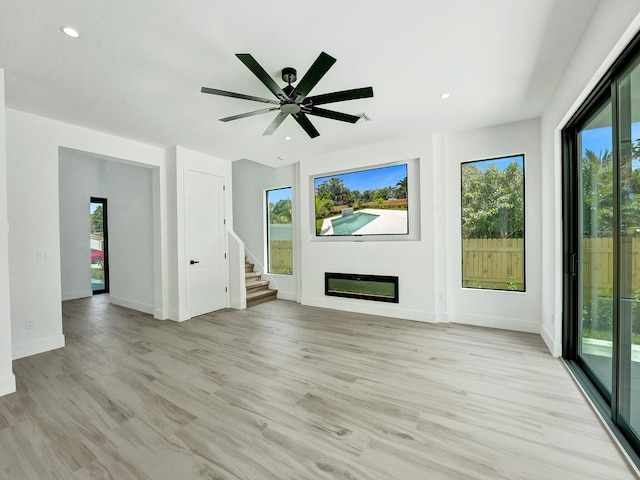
(524, 226)
(105, 242)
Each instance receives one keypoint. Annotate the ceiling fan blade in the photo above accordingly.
(306, 125)
(343, 117)
(341, 96)
(322, 64)
(262, 75)
(224, 93)
(276, 123)
(248, 114)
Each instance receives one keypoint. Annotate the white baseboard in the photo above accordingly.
(133, 305)
(77, 294)
(179, 317)
(159, 314)
(371, 308)
(292, 296)
(7, 384)
(35, 347)
(496, 322)
(555, 348)
(239, 305)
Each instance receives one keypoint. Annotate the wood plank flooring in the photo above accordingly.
(282, 391)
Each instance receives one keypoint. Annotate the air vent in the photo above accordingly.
(364, 117)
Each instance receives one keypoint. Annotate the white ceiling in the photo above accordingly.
(137, 69)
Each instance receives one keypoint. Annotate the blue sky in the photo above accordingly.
(372, 179)
(597, 140)
(600, 139)
(279, 194)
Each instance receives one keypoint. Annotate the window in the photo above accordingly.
(493, 224)
(279, 233)
(98, 240)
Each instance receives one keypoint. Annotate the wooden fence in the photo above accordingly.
(499, 263)
(281, 256)
(598, 264)
(493, 263)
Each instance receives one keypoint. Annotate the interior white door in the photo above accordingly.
(205, 242)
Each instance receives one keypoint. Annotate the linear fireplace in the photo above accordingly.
(380, 288)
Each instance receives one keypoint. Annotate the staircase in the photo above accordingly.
(257, 289)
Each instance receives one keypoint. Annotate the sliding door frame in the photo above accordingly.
(607, 403)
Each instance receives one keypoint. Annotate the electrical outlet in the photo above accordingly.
(43, 255)
(28, 324)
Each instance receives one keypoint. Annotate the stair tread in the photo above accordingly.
(261, 293)
(257, 283)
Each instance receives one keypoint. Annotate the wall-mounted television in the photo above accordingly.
(372, 201)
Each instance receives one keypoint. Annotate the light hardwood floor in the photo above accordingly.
(282, 391)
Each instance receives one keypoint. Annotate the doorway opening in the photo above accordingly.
(98, 238)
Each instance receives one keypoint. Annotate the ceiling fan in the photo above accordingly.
(294, 100)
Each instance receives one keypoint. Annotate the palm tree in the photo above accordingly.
(401, 189)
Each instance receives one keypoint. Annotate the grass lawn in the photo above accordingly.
(362, 287)
(607, 335)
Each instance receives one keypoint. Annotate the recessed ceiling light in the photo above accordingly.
(69, 31)
(287, 138)
(445, 95)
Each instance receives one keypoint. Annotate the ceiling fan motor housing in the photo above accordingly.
(289, 75)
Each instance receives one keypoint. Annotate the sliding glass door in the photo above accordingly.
(595, 246)
(601, 215)
(628, 90)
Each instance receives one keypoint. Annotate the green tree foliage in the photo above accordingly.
(280, 213)
(597, 194)
(493, 202)
(332, 192)
(334, 189)
(382, 194)
(97, 220)
(401, 189)
(324, 205)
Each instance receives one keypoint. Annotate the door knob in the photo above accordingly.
(193, 261)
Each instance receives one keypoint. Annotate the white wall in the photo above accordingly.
(33, 192)
(79, 178)
(250, 182)
(128, 190)
(429, 269)
(501, 309)
(411, 260)
(7, 379)
(613, 25)
(131, 240)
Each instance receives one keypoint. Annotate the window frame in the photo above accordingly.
(267, 233)
(524, 225)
